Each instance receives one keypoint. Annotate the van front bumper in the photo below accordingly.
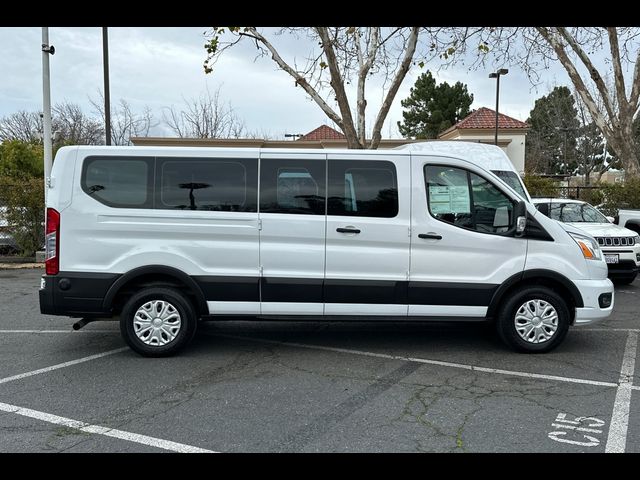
(598, 298)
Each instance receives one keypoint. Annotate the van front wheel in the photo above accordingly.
(158, 321)
(534, 319)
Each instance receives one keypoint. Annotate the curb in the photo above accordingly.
(19, 266)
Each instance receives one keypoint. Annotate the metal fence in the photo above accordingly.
(586, 194)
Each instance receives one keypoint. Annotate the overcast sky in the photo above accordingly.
(158, 66)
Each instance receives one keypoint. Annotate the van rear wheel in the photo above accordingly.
(534, 319)
(158, 321)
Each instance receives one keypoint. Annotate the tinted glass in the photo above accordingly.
(362, 188)
(512, 179)
(467, 200)
(292, 186)
(119, 181)
(576, 212)
(227, 185)
(492, 209)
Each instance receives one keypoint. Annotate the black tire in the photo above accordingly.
(178, 301)
(506, 323)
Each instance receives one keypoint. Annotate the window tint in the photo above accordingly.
(227, 185)
(119, 181)
(467, 200)
(362, 188)
(292, 186)
(512, 179)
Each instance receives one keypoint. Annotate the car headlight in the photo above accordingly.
(637, 237)
(588, 246)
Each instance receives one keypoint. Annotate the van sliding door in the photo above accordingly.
(368, 215)
(292, 234)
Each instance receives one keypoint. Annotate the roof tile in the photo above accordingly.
(323, 132)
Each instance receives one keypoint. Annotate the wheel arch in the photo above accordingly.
(554, 280)
(156, 275)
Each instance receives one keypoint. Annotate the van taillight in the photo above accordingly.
(52, 242)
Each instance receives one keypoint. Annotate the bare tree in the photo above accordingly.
(345, 55)
(72, 127)
(204, 117)
(22, 125)
(125, 123)
(612, 108)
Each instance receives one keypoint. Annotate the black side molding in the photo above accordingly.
(155, 270)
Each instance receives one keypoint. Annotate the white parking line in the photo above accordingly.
(617, 439)
(61, 365)
(100, 430)
(425, 361)
(592, 329)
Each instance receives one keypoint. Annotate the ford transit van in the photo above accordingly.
(160, 238)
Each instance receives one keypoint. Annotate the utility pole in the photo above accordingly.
(46, 108)
(107, 95)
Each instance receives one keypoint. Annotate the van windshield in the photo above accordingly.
(512, 179)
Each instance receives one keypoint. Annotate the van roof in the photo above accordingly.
(488, 156)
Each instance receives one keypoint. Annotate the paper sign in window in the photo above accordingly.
(449, 199)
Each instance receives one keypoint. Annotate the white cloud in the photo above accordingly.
(160, 66)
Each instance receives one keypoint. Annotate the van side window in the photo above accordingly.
(292, 186)
(362, 188)
(224, 185)
(467, 200)
(119, 181)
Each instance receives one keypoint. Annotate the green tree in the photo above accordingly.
(431, 108)
(22, 192)
(21, 159)
(551, 142)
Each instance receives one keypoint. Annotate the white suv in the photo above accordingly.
(620, 246)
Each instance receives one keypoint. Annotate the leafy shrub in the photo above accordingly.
(618, 196)
(541, 186)
(23, 198)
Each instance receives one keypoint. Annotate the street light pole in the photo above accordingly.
(496, 75)
(46, 108)
(107, 96)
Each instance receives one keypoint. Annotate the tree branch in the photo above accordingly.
(581, 88)
(395, 85)
(300, 80)
(593, 72)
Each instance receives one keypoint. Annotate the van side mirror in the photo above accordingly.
(520, 216)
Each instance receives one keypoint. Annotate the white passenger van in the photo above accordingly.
(164, 236)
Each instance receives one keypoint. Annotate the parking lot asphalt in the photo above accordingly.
(375, 386)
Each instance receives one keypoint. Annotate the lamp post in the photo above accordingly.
(496, 75)
(46, 109)
(107, 95)
(293, 135)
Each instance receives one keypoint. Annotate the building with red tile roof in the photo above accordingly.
(479, 126)
(323, 132)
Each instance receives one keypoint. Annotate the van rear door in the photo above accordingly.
(292, 235)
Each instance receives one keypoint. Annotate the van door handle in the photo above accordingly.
(348, 230)
(433, 236)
